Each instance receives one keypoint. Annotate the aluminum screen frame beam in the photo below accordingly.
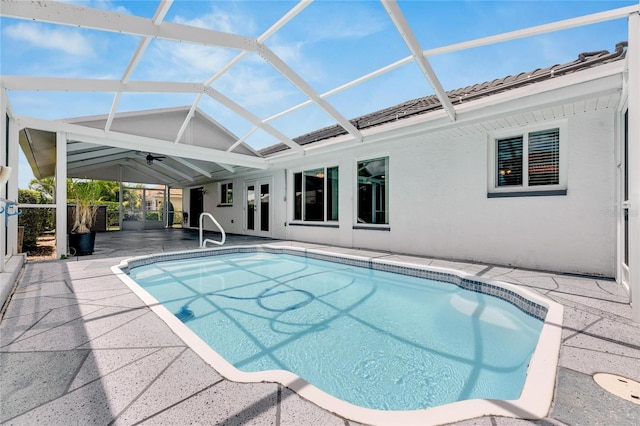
(95, 19)
(412, 43)
(161, 12)
(484, 41)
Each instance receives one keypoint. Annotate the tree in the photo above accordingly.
(109, 190)
(45, 186)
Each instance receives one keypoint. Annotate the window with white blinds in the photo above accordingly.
(539, 167)
(544, 157)
(528, 163)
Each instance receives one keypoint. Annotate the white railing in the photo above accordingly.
(203, 243)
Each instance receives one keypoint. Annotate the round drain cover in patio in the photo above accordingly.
(620, 386)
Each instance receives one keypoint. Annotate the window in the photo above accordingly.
(528, 164)
(226, 193)
(373, 191)
(316, 195)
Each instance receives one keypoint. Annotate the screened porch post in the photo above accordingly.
(120, 198)
(61, 194)
(4, 121)
(12, 184)
(634, 163)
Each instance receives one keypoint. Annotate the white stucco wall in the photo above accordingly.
(447, 213)
(439, 205)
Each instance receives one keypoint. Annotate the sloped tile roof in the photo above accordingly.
(427, 104)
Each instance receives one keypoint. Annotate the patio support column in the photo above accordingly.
(165, 206)
(12, 188)
(633, 58)
(120, 197)
(61, 194)
(3, 149)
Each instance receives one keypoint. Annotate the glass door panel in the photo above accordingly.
(264, 207)
(251, 207)
(258, 207)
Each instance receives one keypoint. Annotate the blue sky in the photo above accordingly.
(328, 44)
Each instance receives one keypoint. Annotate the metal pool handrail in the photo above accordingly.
(203, 243)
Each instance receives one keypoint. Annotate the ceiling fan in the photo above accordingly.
(151, 157)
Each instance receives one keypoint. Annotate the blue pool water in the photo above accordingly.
(375, 339)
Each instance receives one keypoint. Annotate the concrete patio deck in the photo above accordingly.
(78, 347)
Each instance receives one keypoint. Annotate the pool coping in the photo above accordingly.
(533, 403)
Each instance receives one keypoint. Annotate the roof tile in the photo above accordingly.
(427, 104)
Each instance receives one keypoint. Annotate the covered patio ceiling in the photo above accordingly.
(138, 163)
(197, 148)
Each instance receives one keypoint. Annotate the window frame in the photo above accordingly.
(527, 190)
(356, 199)
(325, 214)
(221, 190)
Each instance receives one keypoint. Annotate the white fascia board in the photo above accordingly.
(520, 101)
(126, 141)
(103, 20)
(241, 111)
(58, 84)
(579, 85)
(603, 80)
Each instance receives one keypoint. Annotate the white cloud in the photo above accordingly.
(356, 24)
(67, 40)
(108, 5)
(220, 21)
(256, 88)
(100, 4)
(288, 52)
(191, 62)
(186, 62)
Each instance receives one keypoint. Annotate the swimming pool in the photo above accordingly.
(355, 329)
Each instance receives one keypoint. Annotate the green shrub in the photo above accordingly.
(113, 213)
(35, 221)
(151, 216)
